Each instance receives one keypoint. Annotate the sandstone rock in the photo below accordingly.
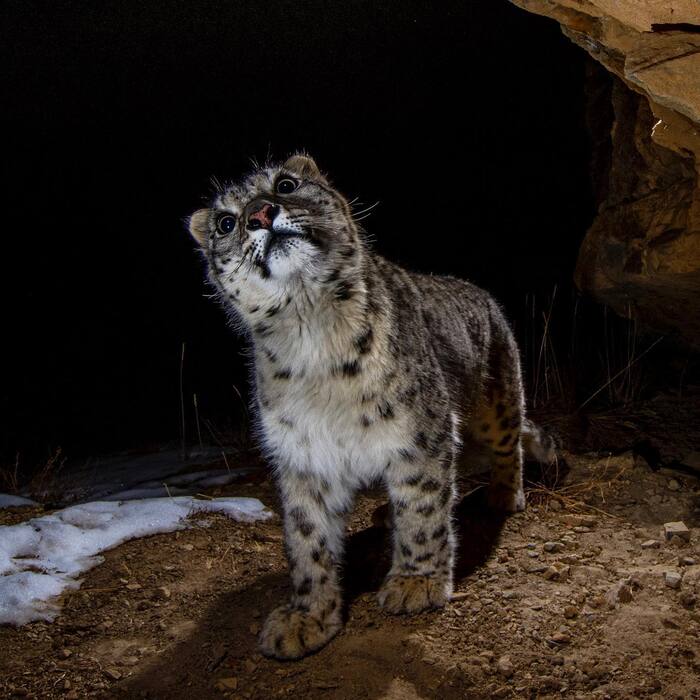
(650, 544)
(641, 256)
(672, 579)
(556, 572)
(676, 529)
(230, 683)
(553, 546)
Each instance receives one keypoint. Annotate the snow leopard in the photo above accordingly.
(363, 373)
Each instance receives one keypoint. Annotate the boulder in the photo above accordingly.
(641, 255)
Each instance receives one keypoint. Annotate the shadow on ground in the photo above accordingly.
(373, 658)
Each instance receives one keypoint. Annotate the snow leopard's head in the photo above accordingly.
(280, 226)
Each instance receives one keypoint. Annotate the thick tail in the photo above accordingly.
(538, 445)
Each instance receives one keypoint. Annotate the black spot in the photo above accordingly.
(426, 510)
(363, 343)
(409, 567)
(351, 369)
(301, 521)
(323, 580)
(272, 310)
(420, 538)
(424, 557)
(504, 453)
(500, 410)
(413, 480)
(485, 427)
(439, 532)
(334, 276)
(253, 309)
(316, 555)
(505, 440)
(400, 507)
(286, 423)
(365, 421)
(421, 440)
(406, 551)
(445, 496)
(270, 355)
(262, 329)
(505, 423)
(385, 410)
(344, 290)
(304, 588)
(430, 486)
(282, 374)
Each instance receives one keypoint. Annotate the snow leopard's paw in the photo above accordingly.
(292, 634)
(411, 594)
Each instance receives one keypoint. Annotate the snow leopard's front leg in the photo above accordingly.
(314, 530)
(422, 495)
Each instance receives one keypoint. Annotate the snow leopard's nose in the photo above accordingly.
(262, 216)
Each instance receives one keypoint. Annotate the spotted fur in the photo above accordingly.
(364, 372)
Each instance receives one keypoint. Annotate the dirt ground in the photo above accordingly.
(569, 599)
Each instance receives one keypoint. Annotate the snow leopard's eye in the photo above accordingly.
(286, 185)
(225, 224)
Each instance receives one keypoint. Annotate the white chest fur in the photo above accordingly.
(321, 420)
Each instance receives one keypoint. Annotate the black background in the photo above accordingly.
(465, 121)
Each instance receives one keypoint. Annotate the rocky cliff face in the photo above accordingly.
(641, 256)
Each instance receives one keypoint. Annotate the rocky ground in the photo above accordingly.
(581, 596)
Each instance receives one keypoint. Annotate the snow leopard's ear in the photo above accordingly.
(304, 165)
(198, 225)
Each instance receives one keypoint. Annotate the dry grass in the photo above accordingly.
(606, 474)
(577, 353)
(44, 485)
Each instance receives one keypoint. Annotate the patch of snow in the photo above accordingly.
(44, 556)
(7, 500)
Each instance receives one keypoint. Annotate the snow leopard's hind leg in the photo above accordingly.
(497, 425)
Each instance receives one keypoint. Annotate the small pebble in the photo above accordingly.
(672, 579)
(505, 667)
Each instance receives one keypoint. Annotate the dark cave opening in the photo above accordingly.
(474, 143)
